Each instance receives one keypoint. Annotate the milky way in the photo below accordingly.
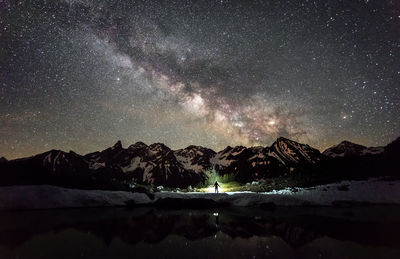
(80, 74)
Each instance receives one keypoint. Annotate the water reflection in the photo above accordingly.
(367, 232)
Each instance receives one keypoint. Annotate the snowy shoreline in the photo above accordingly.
(373, 191)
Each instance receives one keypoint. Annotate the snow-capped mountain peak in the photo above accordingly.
(137, 145)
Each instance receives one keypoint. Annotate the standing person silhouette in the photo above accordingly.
(216, 185)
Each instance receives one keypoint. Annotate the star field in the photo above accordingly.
(80, 75)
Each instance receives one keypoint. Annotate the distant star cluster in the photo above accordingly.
(80, 75)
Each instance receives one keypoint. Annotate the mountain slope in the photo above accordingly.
(54, 166)
(195, 158)
(160, 166)
(290, 152)
(283, 157)
(347, 148)
(155, 164)
(247, 164)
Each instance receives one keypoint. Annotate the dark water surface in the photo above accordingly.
(362, 232)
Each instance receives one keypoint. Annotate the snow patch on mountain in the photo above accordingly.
(134, 164)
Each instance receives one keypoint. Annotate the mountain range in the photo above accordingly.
(157, 164)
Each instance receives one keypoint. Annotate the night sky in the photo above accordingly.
(80, 75)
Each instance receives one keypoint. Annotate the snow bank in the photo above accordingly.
(368, 191)
(372, 191)
(46, 196)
